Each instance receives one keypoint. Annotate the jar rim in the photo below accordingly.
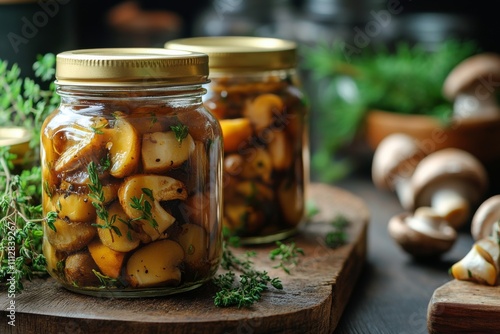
(131, 67)
(241, 53)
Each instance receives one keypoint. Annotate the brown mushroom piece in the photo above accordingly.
(472, 85)
(393, 164)
(485, 217)
(450, 181)
(422, 234)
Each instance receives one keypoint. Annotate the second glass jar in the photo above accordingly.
(256, 95)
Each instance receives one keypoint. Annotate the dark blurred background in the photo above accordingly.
(31, 27)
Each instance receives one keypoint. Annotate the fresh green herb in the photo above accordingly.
(287, 254)
(338, 236)
(407, 80)
(51, 219)
(98, 129)
(181, 131)
(230, 239)
(251, 285)
(21, 231)
(312, 209)
(97, 194)
(24, 102)
(106, 281)
(154, 120)
(105, 163)
(145, 207)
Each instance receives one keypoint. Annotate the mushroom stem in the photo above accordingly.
(451, 204)
(402, 188)
(469, 105)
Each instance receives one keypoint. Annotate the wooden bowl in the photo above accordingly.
(480, 137)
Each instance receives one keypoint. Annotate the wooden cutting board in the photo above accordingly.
(312, 301)
(464, 307)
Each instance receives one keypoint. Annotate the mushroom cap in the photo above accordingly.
(486, 215)
(423, 234)
(397, 156)
(449, 166)
(479, 69)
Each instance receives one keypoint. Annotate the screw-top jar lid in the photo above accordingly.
(131, 67)
(241, 53)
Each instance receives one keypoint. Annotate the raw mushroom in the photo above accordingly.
(485, 217)
(480, 264)
(450, 181)
(472, 85)
(393, 164)
(422, 234)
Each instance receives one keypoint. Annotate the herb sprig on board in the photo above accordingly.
(251, 285)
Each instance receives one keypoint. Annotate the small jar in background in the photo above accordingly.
(132, 174)
(256, 94)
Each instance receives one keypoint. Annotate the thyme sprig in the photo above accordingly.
(251, 285)
(338, 236)
(145, 207)
(287, 254)
(21, 231)
(181, 131)
(97, 194)
(23, 102)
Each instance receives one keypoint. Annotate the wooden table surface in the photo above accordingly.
(393, 292)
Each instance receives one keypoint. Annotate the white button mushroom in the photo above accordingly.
(485, 217)
(393, 164)
(472, 85)
(422, 234)
(450, 181)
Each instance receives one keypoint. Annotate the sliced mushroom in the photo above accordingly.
(393, 164)
(157, 263)
(476, 266)
(486, 216)
(422, 234)
(260, 112)
(472, 85)
(124, 148)
(162, 151)
(162, 188)
(450, 181)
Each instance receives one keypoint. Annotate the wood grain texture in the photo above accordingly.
(312, 301)
(464, 307)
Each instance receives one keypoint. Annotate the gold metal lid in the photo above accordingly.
(17, 138)
(241, 53)
(131, 67)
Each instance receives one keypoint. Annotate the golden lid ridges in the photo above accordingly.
(241, 53)
(131, 67)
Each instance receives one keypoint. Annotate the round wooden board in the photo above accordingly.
(312, 301)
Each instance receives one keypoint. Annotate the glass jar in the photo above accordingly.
(132, 174)
(255, 93)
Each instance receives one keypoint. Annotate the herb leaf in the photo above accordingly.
(180, 130)
(251, 285)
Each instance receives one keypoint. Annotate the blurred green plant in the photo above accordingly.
(23, 102)
(407, 80)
